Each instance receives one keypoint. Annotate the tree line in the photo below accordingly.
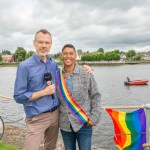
(21, 54)
(100, 55)
(114, 55)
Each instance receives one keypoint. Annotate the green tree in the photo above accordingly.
(57, 56)
(116, 56)
(100, 56)
(116, 51)
(79, 51)
(86, 57)
(130, 54)
(29, 54)
(111, 56)
(100, 50)
(1, 58)
(6, 52)
(108, 56)
(136, 57)
(20, 54)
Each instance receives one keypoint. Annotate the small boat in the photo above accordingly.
(136, 82)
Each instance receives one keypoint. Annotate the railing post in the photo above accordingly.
(147, 107)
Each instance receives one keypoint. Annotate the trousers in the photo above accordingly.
(82, 136)
(43, 127)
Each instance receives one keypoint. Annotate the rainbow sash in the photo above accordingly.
(129, 129)
(76, 110)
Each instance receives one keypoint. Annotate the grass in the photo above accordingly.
(4, 146)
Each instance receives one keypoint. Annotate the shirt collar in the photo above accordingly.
(75, 71)
(38, 59)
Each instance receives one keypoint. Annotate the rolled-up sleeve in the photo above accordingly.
(21, 93)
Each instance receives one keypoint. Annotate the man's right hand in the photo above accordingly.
(49, 90)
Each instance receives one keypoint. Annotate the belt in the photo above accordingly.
(51, 110)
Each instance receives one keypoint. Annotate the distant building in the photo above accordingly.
(8, 58)
(145, 55)
(122, 57)
(51, 55)
(78, 56)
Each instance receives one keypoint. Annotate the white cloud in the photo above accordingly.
(87, 24)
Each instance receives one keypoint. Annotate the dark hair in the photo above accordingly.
(44, 31)
(70, 46)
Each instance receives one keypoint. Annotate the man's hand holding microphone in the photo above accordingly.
(50, 89)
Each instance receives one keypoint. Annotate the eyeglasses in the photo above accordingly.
(43, 42)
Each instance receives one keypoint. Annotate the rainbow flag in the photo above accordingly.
(129, 128)
(76, 110)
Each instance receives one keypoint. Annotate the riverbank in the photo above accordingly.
(111, 63)
(14, 136)
(90, 63)
(11, 64)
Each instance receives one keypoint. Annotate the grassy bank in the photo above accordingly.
(9, 64)
(4, 146)
(15, 137)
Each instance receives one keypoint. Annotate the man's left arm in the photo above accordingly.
(88, 69)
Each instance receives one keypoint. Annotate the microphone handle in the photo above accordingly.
(53, 97)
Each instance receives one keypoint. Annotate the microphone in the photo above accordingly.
(48, 78)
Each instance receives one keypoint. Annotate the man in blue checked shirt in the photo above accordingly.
(31, 90)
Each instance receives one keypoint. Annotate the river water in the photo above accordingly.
(110, 80)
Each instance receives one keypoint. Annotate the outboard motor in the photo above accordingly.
(125, 83)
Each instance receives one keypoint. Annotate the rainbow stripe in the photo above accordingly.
(129, 129)
(76, 110)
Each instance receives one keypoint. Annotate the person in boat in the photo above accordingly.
(128, 79)
(80, 102)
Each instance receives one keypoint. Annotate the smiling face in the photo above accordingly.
(68, 57)
(42, 44)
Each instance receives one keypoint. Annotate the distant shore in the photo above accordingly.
(111, 63)
(13, 64)
(90, 63)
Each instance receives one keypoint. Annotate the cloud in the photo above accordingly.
(87, 24)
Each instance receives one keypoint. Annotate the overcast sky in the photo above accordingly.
(88, 24)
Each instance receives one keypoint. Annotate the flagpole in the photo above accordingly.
(147, 144)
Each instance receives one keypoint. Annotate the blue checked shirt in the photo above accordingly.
(29, 79)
